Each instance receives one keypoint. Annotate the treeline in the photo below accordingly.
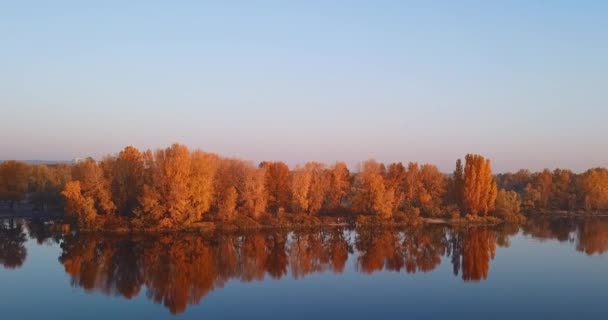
(39, 186)
(558, 190)
(175, 188)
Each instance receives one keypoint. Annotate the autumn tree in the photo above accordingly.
(227, 203)
(45, 185)
(479, 186)
(514, 181)
(432, 188)
(594, 189)
(166, 199)
(339, 185)
(127, 180)
(370, 195)
(563, 192)
(396, 179)
(94, 185)
(150, 209)
(457, 185)
(300, 184)
(319, 187)
(417, 188)
(309, 186)
(79, 206)
(230, 179)
(202, 174)
(543, 182)
(508, 205)
(255, 197)
(13, 181)
(277, 185)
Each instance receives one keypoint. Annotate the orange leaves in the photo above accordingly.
(309, 187)
(277, 185)
(77, 205)
(479, 191)
(339, 185)
(371, 195)
(594, 187)
(13, 180)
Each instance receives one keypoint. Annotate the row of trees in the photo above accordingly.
(176, 187)
(558, 190)
(40, 184)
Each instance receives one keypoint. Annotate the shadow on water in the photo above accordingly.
(177, 270)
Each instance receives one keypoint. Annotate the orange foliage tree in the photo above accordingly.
(13, 181)
(479, 191)
(277, 185)
(370, 194)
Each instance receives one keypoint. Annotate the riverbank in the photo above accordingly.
(287, 222)
(290, 222)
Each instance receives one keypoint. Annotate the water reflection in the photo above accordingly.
(178, 270)
(12, 244)
(590, 235)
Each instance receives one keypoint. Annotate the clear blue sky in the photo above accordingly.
(522, 82)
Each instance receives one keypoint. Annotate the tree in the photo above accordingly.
(339, 185)
(594, 189)
(432, 190)
(166, 197)
(508, 205)
(45, 185)
(300, 184)
(530, 197)
(458, 185)
(94, 185)
(173, 180)
(227, 204)
(150, 210)
(13, 181)
(309, 187)
(543, 182)
(204, 167)
(127, 180)
(255, 197)
(230, 179)
(319, 187)
(479, 186)
(563, 192)
(277, 185)
(370, 193)
(396, 178)
(79, 206)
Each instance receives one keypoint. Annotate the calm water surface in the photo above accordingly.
(551, 269)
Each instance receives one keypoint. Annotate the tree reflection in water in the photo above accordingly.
(178, 270)
(12, 244)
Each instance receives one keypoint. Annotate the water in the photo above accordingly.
(550, 269)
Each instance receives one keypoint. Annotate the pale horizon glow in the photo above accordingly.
(521, 82)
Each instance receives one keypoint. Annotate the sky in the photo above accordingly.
(521, 82)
